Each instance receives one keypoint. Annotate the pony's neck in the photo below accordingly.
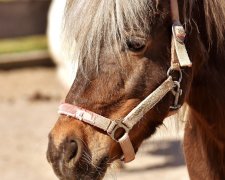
(207, 97)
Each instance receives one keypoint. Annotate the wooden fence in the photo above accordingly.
(23, 17)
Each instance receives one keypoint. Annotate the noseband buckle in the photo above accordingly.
(114, 127)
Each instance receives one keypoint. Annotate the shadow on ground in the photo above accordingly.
(171, 150)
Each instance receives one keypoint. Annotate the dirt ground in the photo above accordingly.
(28, 106)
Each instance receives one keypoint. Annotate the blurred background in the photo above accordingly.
(34, 78)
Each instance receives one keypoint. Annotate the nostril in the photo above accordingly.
(71, 150)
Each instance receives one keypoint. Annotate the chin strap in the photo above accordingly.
(179, 58)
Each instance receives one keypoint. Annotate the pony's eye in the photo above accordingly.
(135, 44)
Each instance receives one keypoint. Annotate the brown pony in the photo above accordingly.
(123, 51)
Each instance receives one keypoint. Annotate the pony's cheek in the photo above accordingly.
(149, 123)
(115, 152)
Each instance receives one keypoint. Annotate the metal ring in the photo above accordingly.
(119, 126)
(180, 74)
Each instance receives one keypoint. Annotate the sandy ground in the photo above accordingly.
(28, 105)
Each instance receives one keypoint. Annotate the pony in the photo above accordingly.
(123, 89)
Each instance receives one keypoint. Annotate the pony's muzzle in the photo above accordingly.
(64, 158)
(68, 152)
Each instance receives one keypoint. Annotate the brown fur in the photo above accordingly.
(118, 86)
(204, 141)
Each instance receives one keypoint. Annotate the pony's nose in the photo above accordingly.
(70, 150)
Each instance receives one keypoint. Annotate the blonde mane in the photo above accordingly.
(91, 25)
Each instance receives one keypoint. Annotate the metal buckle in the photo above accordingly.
(117, 126)
(176, 91)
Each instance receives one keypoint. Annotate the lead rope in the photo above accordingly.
(179, 58)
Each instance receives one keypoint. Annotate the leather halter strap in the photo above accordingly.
(179, 56)
(179, 59)
(127, 123)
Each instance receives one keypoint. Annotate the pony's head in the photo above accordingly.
(123, 50)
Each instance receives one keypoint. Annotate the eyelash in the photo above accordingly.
(135, 45)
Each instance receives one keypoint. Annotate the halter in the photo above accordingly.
(179, 58)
